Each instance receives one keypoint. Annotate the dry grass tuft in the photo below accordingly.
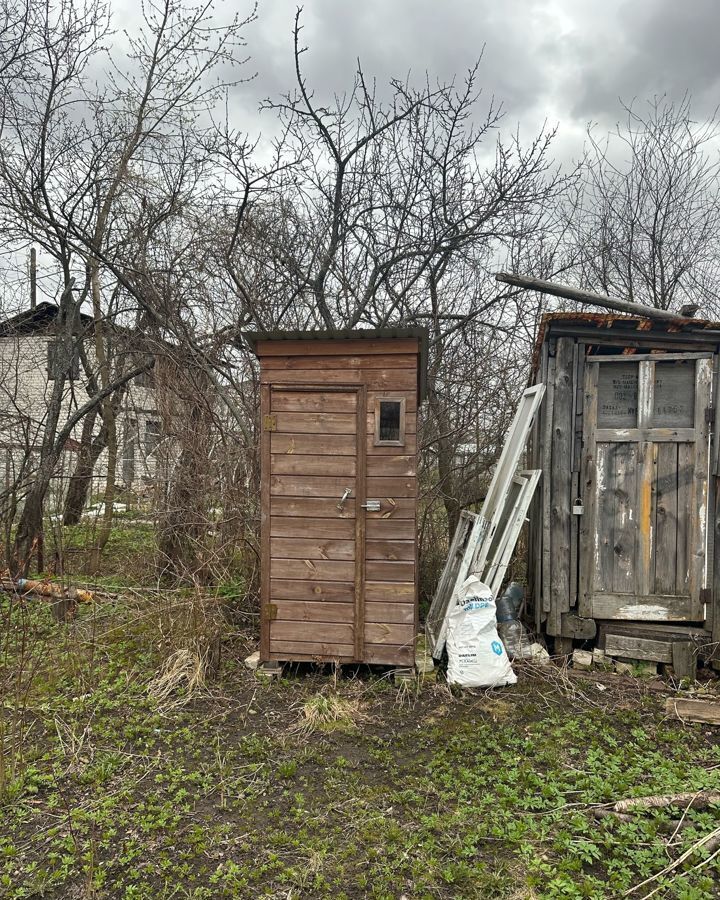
(331, 712)
(185, 670)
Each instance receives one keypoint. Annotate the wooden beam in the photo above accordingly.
(693, 710)
(638, 648)
(582, 296)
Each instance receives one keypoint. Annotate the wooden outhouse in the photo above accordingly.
(339, 494)
(625, 533)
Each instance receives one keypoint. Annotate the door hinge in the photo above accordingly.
(705, 595)
(269, 423)
(710, 415)
(271, 612)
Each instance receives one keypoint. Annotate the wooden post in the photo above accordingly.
(684, 659)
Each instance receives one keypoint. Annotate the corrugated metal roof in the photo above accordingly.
(351, 334)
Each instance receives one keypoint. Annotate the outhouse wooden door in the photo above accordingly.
(316, 535)
(643, 532)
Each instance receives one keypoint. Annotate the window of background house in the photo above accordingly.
(389, 422)
(55, 361)
(152, 436)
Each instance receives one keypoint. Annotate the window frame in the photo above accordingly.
(378, 442)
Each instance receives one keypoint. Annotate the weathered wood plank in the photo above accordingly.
(292, 589)
(624, 524)
(389, 591)
(393, 528)
(297, 527)
(667, 557)
(313, 611)
(327, 632)
(375, 379)
(311, 548)
(604, 539)
(312, 650)
(313, 486)
(296, 464)
(386, 633)
(391, 613)
(644, 532)
(384, 570)
(391, 465)
(390, 549)
(312, 507)
(388, 655)
(656, 435)
(684, 659)
(315, 423)
(265, 573)
(361, 460)
(308, 402)
(313, 569)
(320, 363)
(317, 444)
(561, 483)
(588, 480)
(573, 626)
(638, 648)
(693, 710)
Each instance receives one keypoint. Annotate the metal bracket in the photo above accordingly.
(269, 423)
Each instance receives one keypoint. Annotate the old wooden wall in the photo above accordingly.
(556, 537)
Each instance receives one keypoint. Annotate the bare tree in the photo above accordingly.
(648, 223)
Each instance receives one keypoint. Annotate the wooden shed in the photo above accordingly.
(339, 494)
(624, 533)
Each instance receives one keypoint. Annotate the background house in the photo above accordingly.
(28, 366)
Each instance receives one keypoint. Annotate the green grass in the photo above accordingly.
(234, 795)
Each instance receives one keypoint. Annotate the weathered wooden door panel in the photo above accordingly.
(645, 470)
(315, 537)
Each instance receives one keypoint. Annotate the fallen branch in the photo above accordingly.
(689, 799)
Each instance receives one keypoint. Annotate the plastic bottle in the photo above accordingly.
(510, 629)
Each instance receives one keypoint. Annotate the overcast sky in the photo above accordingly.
(564, 61)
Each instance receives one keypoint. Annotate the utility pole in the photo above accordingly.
(33, 277)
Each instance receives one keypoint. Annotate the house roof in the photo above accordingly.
(352, 334)
(41, 318)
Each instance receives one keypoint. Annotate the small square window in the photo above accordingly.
(390, 422)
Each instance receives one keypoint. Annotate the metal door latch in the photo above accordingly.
(371, 505)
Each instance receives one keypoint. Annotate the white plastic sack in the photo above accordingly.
(476, 656)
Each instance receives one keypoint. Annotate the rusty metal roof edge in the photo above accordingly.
(681, 326)
(350, 334)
